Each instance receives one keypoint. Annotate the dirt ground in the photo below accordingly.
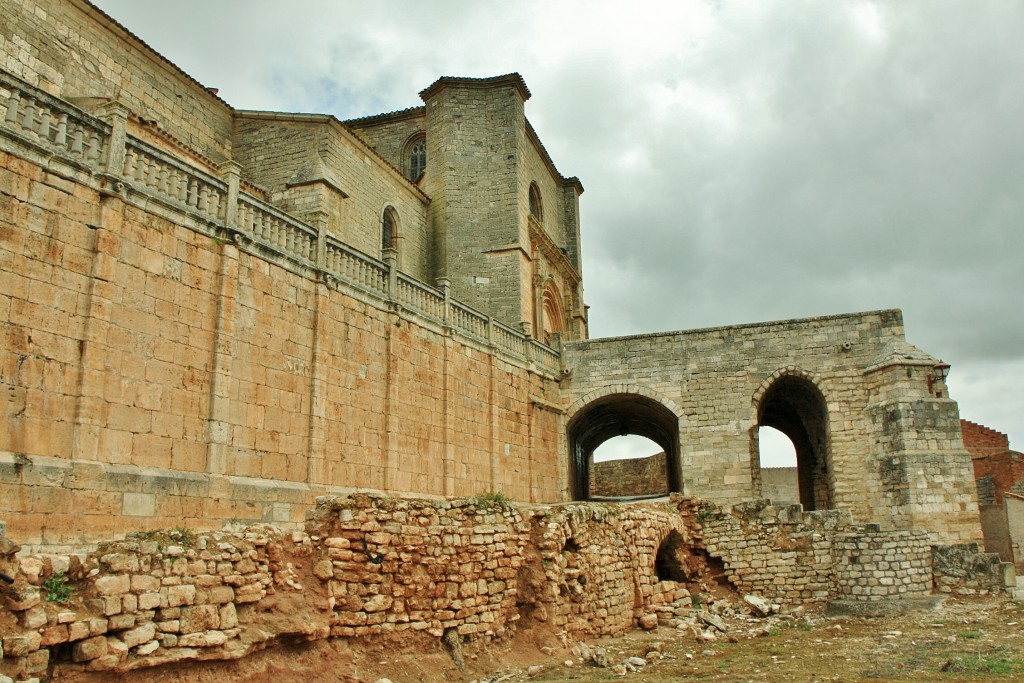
(960, 640)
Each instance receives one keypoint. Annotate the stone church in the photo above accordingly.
(216, 315)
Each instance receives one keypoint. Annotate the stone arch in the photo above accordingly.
(553, 311)
(390, 229)
(414, 156)
(794, 401)
(617, 410)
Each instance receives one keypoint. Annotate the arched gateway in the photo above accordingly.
(618, 413)
(792, 402)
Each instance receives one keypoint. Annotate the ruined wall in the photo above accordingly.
(428, 572)
(871, 564)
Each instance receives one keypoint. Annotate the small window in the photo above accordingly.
(536, 208)
(416, 157)
(389, 230)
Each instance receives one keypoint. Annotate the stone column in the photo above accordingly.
(116, 114)
(232, 174)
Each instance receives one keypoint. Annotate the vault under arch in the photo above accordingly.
(618, 414)
(794, 405)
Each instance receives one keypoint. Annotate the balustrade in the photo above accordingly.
(65, 130)
(52, 123)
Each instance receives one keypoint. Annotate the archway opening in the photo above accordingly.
(794, 406)
(628, 466)
(779, 481)
(620, 415)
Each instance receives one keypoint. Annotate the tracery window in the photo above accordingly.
(416, 157)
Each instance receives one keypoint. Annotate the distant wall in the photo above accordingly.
(779, 484)
(630, 476)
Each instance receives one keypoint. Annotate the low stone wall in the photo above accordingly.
(871, 564)
(369, 566)
(779, 552)
(963, 570)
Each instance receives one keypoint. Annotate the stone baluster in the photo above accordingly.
(13, 103)
(319, 220)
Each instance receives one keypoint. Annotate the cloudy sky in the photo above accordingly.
(743, 161)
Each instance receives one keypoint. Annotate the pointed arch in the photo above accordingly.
(552, 312)
(414, 156)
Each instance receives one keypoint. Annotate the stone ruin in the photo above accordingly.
(445, 573)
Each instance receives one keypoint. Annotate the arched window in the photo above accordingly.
(536, 207)
(553, 313)
(389, 230)
(416, 157)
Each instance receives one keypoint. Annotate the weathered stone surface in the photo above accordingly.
(139, 635)
(113, 584)
(89, 649)
(648, 622)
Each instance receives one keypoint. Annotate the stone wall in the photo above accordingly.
(884, 446)
(437, 571)
(630, 476)
(171, 362)
(71, 49)
(961, 569)
(871, 564)
(288, 154)
(779, 484)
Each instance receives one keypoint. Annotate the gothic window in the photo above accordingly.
(389, 229)
(536, 208)
(416, 157)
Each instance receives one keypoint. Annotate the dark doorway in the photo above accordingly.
(620, 415)
(794, 406)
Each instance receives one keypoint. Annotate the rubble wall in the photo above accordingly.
(369, 566)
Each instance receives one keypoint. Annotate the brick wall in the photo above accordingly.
(980, 440)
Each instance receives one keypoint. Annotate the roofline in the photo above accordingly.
(572, 181)
(512, 79)
(333, 121)
(743, 326)
(387, 117)
(115, 26)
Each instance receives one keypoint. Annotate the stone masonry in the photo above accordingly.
(205, 320)
(440, 571)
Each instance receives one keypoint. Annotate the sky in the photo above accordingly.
(743, 161)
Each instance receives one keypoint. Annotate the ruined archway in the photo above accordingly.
(617, 414)
(793, 404)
